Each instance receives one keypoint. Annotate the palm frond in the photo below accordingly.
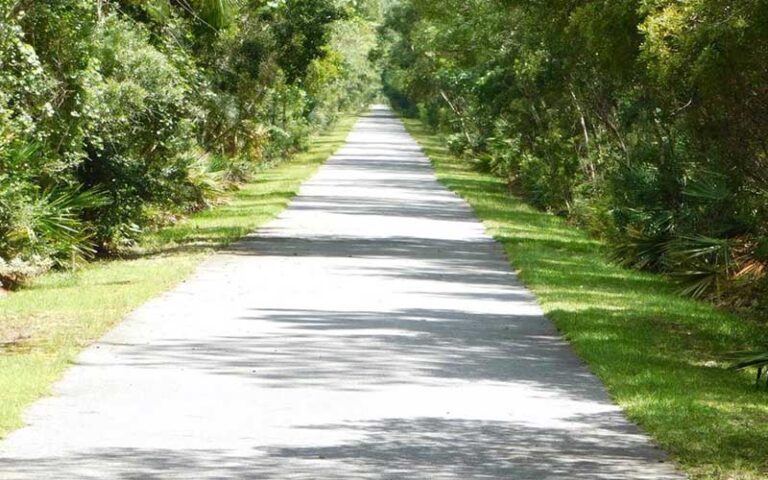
(53, 221)
(706, 265)
(216, 13)
(747, 359)
(707, 185)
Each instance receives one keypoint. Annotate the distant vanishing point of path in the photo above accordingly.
(372, 331)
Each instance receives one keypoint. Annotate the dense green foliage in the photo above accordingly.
(642, 120)
(121, 115)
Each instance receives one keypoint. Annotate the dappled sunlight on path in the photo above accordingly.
(372, 331)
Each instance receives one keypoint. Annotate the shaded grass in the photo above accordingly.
(43, 327)
(658, 354)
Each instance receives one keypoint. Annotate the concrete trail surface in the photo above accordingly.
(372, 331)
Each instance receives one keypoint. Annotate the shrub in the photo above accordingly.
(139, 138)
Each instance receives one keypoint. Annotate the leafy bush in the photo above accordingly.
(139, 138)
(458, 144)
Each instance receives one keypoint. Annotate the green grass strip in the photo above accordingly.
(658, 354)
(45, 326)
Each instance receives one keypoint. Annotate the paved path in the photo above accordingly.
(372, 331)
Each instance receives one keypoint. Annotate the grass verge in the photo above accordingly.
(43, 327)
(657, 353)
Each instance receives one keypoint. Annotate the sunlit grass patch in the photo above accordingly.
(43, 327)
(659, 355)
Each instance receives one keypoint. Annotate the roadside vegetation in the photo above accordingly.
(659, 354)
(119, 117)
(45, 325)
(641, 121)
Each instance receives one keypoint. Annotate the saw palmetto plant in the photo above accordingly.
(751, 359)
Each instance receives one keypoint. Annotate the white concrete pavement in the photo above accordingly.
(372, 331)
